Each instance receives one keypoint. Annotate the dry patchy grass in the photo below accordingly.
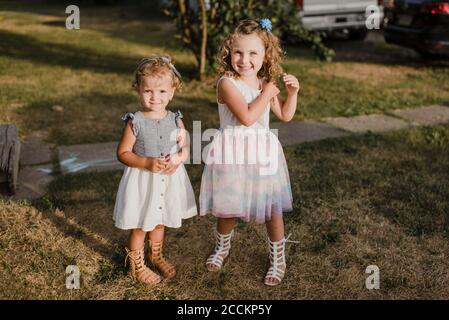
(366, 200)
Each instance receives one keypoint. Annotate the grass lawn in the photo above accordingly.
(360, 200)
(88, 72)
(368, 200)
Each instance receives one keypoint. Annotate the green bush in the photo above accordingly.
(202, 25)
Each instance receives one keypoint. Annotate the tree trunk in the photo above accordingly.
(185, 33)
(203, 31)
(9, 156)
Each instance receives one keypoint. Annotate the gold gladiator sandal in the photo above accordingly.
(137, 268)
(156, 257)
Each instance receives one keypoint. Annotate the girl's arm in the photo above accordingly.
(126, 155)
(286, 110)
(175, 160)
(184, 151)
(246, 113)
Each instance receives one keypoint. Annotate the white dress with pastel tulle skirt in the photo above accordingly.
(245, 174)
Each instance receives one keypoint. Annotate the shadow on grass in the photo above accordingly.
(156, 32)
(91, 210)
(88, 199)
(87, 118)
(140, 22)
(401, 176)
(96, 116)
(135, 9)
(20, 46)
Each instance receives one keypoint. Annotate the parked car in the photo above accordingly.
(422, 25)
(348, 16)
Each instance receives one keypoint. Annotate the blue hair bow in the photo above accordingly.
(266, 24)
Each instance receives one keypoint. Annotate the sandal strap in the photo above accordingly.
(276, 274)
(137, 257)
(147, 276)
(139, 270)
(222, 246)
(277, 258)
(277, 247)
(163, 265)
(158, 260)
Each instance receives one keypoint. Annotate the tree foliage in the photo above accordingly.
(202, 25)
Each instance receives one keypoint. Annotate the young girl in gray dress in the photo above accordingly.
(155, 190)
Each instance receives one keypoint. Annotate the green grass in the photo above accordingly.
(88, 72)
(358, 201)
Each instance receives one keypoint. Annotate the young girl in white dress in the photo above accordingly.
(233, 186)
(155, 190)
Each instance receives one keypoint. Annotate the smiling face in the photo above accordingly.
(155, 92)
(247, 55)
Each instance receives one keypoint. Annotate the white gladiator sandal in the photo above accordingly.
(221, 250)
(277, 259)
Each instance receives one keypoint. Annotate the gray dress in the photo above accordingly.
(154, 138)
(146, 199)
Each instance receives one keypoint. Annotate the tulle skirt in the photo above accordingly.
(245, 176)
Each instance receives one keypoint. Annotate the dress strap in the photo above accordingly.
(134, 117)
(178, 115)
(128, 116)
(225, 77)
(218, 82)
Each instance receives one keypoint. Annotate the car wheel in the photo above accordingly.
(358, 34)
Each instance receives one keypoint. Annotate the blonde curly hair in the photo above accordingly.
(271, 69)
(156, 66)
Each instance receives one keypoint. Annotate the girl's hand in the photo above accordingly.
(271, 89)
(156, 164)
(173, 163)
(291, 83)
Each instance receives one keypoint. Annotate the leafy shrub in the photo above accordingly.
(203, 24)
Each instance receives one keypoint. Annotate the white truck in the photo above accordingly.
(348, 16)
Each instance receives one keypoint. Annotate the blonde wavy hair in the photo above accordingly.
(156, 66)
(271, 69)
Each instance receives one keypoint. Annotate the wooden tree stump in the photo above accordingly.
(9, 156)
